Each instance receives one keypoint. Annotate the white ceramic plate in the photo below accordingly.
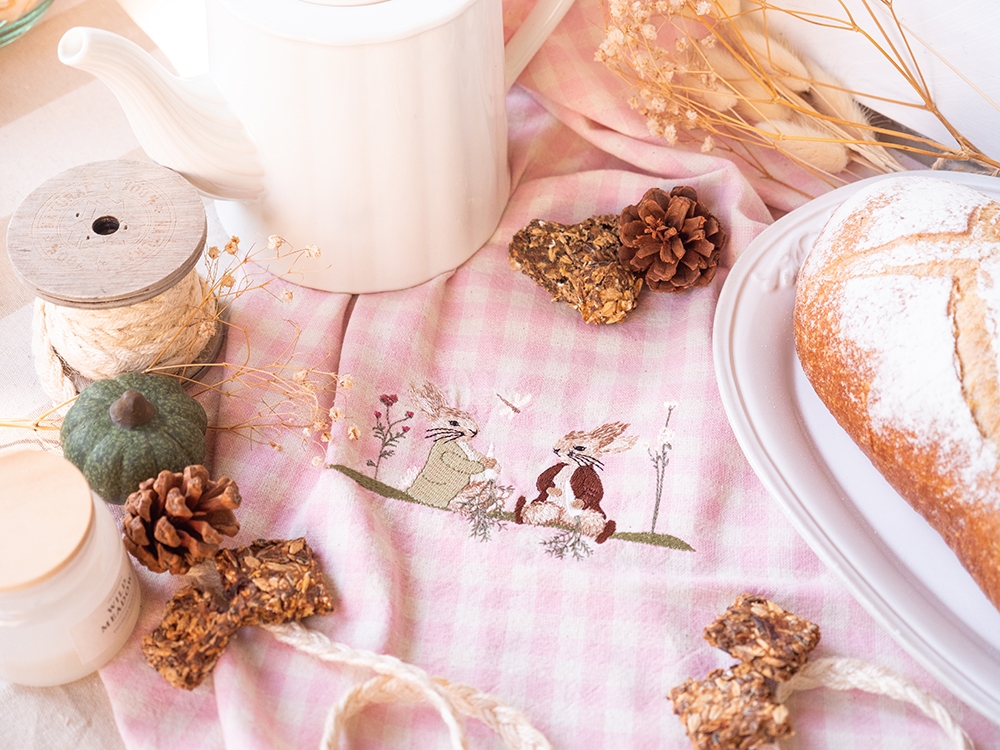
(888, 556)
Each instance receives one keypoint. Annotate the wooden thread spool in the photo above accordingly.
(110, 248)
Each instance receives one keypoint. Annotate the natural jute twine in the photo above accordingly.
(854, 674)
(170, 329)
(399, 682)
(109, 250)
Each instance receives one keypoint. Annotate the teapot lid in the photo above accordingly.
(346, 22)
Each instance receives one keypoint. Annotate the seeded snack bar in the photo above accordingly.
(270, 582)
(578, 264)
(759, 632)
(192, 636)
(731, 709)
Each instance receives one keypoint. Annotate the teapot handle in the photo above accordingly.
(541, 21)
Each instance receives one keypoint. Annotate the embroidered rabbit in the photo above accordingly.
(571, 491)
(452, 462)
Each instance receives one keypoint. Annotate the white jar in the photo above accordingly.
(69, 597)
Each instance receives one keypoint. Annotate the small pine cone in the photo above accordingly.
(175, 520)
(671, 239)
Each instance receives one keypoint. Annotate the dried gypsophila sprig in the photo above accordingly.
(705, 70)
(293, 395)
(290, 395)
(725, 83)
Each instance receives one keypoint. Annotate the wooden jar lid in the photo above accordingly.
(107, 234)
(46, 510)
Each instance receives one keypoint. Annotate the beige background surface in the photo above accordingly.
(51, 118)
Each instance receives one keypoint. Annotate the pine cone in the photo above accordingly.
(672, 239)
(176, 520)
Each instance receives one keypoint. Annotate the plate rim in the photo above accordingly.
(884, 606)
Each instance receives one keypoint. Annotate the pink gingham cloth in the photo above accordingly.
(586, 648)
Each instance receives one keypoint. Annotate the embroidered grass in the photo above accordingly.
(491, 513)
(482, 505)
(379, 488)
(657, 540)
(568, 543)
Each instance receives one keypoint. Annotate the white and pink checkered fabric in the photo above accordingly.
(587, 649)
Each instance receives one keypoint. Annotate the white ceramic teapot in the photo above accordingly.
(376, 132)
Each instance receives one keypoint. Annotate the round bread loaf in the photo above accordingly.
(897, 327)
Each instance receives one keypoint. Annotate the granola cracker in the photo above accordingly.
(189, 641)
(271, 582)
(731, 709)
(578, 264)
(759, 632)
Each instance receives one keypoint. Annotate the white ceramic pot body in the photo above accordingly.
(383, 141)
(375, 132)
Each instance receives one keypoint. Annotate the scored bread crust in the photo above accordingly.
(897, 328)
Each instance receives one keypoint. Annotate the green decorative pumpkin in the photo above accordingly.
(124, 430)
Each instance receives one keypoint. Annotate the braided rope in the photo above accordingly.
(171, 328)
(512, 726)
(854, 674)
(398, 681)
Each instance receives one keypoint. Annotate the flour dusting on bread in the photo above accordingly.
(897, 327)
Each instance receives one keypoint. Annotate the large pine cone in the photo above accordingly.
(671, 239)
(175, 520)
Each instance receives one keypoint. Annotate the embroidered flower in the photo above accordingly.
(388, 399)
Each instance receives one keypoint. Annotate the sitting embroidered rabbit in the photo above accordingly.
(452, 461)
(571, 493)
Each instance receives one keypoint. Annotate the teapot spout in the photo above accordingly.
(182, 123)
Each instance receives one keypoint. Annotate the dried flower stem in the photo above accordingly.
(716, 76)
(287, 395)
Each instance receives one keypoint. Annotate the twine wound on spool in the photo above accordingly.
(172, 328)
(109, 248)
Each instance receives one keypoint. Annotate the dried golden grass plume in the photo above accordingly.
(709, 71)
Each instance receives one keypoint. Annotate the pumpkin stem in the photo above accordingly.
(131, 410)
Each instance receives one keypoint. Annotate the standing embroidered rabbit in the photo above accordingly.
(571, 493)
(452, 462)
